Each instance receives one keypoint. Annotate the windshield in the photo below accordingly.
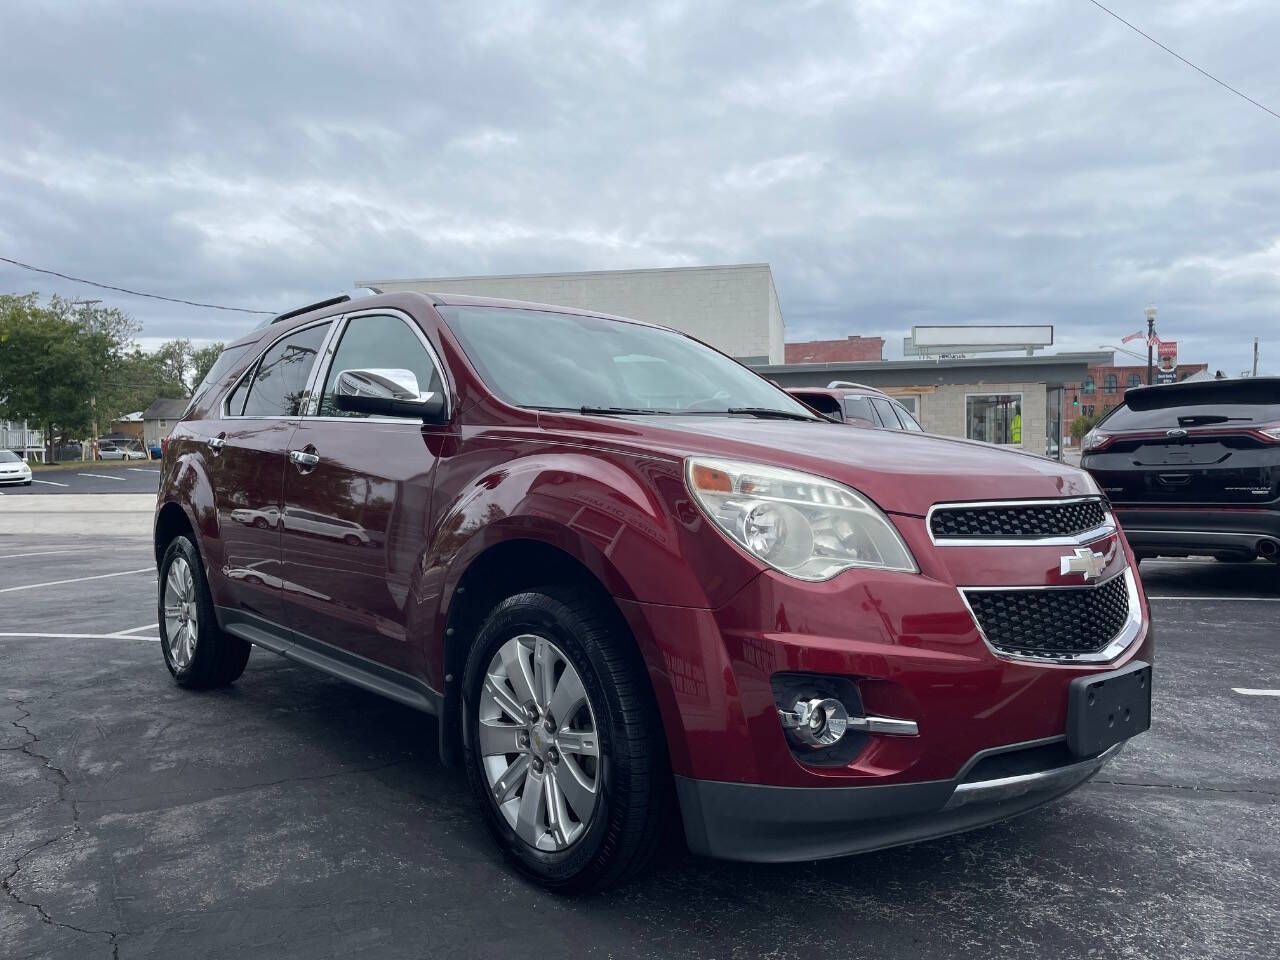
(534, 358)
(7, 457)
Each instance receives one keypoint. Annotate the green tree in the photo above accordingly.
(1082, 425)
(202, 359)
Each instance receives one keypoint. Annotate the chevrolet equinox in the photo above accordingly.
(635, 581)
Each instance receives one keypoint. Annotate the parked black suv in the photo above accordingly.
(1194, 468)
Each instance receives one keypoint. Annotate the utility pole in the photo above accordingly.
(1255, 356)
(87, 317)
(1151, 333)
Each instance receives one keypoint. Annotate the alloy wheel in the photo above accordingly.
(181, 620)
(538, 744)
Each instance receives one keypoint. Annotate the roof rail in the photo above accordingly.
(835, 384)
(355, 293)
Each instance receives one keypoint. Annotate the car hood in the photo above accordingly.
(902, 472)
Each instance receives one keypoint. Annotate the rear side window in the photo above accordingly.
(279, 382)
(859, 407)
(221, 367)
(906, 419)
(887, 416)
(1199, 405)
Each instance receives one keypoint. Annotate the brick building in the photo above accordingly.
(1104, 387)
(848, 350)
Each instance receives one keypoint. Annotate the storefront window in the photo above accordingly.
(994, 417)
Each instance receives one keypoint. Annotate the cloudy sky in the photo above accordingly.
(896, 162)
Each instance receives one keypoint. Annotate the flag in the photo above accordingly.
(1132, 336)
(1153, 340)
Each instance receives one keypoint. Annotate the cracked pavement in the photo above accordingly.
(294, 816)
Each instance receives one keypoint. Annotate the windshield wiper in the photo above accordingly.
(607, 411)
(768, 413)
(1202, 419)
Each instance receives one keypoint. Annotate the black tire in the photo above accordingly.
(634, 798)
(219, 658)
(351, 540)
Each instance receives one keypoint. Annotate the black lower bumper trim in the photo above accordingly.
(766, 824)
(1181, 531)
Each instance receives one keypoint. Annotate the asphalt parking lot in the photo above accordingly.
(139, 477)
(294, 816)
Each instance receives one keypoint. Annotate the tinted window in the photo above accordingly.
(280, 379)
(379, 343)
(859, 407)
(221, 367)
(7, 457)
(537, 358)
(822, 402)
(1193, 414)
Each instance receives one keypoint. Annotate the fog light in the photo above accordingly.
(817, 723)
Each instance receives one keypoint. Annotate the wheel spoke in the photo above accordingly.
(533, 808)
(581, 743)
(509, 705)
(174, 582)
(544, 671)
(516, 659)
(499, 738)
(557, 811)
(577, 789)
(505, 787)
(569, 696)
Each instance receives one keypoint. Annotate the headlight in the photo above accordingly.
(805, 526)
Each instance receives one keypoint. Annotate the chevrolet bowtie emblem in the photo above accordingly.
(1084, 562)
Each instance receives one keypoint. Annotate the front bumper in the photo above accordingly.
(1196, 530)
(765, 824)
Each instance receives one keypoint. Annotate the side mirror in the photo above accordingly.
(387, 393)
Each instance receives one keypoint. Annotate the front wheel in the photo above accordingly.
(196, 650)
(563, 746)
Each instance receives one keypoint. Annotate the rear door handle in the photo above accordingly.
(303, 459)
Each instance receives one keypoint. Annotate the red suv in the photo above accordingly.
(621, 568)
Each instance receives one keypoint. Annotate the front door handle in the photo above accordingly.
(217, 443)
(303, 459)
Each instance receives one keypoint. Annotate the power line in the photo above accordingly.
(134, 293)
(1221, 83)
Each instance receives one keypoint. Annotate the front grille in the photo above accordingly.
(1017, 521)
(1053, 622)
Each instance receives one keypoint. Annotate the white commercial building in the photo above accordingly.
(733, 308)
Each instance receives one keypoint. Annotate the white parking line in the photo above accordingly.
(1249, 692)
(55, 583)
(75, 636)
(1262, 599)
(100, 476)
(142, 470)
(52, 483)
(43, 553)
(125, 633)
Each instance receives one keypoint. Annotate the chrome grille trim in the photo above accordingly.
(1107, 528)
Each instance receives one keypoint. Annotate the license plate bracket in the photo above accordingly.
(1105, 708)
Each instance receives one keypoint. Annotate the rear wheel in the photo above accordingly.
(196, 651)
(563, 747)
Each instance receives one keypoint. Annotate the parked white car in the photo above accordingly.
(13, 469)
(110, 451)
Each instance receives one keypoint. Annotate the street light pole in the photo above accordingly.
(1151, 331)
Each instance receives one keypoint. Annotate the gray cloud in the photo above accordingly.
(896, 162)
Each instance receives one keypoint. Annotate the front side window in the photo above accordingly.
(279, 382)
(379, 342)
(860, 408)
(535, 358)
(994, 418)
